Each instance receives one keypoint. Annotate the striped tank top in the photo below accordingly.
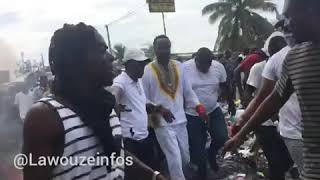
(82, 146)
(301, 74)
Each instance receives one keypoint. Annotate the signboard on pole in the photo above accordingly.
(156, 6)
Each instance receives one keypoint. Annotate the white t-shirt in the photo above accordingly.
(290, 124)
(24, 103)
(206, 86)
(134, 124)
(255, 80)
(184, 96)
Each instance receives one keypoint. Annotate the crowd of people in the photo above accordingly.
(162, 110)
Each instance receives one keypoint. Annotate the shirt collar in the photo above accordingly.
(130, 80)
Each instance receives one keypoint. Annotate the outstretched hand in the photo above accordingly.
(233, 143)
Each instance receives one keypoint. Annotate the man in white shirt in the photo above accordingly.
(279, 160)
(166, 85)
(290, 124)
(207, 78)
(23, 100)
(130, 96)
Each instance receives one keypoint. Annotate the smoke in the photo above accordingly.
(8, 58)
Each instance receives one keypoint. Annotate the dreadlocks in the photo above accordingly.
(68, 54)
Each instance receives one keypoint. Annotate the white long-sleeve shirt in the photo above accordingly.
(184, 96)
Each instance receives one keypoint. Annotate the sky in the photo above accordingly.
(27, 25)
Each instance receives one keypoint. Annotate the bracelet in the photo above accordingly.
(155, 174)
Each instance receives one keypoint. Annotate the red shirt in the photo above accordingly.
(250, 60)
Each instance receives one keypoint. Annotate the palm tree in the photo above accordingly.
(240, 26)
(119, 50)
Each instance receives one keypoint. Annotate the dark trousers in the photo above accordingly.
(197, 131)
(275, 150)
(141, 149)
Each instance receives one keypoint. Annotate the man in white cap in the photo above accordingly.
(132, 102)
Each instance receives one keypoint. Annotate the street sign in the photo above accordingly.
(161, 6)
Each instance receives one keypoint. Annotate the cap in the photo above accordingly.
(134, 54)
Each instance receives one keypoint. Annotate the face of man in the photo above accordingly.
(203, 63)
(136, 68)
(298, 21)
(162, 49)
(99, 64)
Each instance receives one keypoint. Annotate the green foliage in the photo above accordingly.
(240, 26)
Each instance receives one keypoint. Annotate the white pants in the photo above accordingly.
(173, 141)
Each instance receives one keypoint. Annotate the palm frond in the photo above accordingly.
(215, 16)
(218, 6)
(260, 4)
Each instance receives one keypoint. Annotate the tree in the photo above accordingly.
(149, 51)
(119, 50)
(240, 26)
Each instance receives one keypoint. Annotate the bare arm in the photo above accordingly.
(41, 137)
(265, 111)
(270, 106)
(266, 89)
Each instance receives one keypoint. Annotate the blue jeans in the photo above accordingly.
(197, 131)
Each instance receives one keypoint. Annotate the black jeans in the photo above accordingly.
(142, 149)
(275, 150)
(197, 131)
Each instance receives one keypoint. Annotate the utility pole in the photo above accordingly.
(164, 24)
(109, 41)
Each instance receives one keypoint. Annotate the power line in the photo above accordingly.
(130, 13)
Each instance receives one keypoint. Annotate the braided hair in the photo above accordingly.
(68, 53)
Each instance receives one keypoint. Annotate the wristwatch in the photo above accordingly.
(155, 174)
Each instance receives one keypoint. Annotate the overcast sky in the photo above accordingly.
(27, 25)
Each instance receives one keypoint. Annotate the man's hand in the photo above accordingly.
(201, 110)
(235, 129)
(205, 117)
(233, 143)
(166, 114)
(122, 108)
